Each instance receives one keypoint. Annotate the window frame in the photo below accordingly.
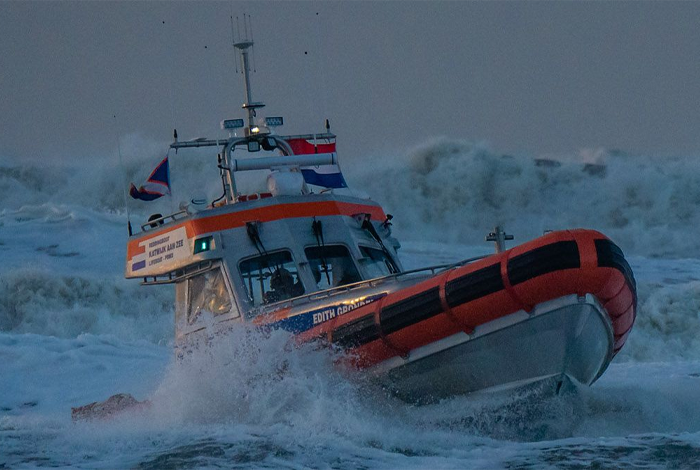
(389, 256)
(251, 302)
(353, 260)
(234, 311)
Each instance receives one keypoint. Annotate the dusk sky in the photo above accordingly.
(531, 77)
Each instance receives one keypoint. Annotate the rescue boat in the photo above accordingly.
(313, 257)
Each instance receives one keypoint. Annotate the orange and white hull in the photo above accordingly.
(559, 306)
(564, 340)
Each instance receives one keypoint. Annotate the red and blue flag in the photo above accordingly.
(157, 185)
(327, 176)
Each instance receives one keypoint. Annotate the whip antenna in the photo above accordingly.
(252, 39)
(244, 46)
(121, 165)
(171, 93)
(320, 69)
(233, 39)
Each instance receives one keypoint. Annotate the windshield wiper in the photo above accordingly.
(367, 225)
(318, 233)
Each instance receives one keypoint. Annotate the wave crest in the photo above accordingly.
(457, 191)
(41, 302)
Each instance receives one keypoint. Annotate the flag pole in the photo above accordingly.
(170, 183)
(121, 164)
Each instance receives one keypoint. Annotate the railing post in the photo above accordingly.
(499, 237)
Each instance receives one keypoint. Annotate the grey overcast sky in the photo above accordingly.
(527, 77)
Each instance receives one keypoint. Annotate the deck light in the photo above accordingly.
(268, 144)
(232, 123)
(253, 146)
(203, 244)
(274, 121)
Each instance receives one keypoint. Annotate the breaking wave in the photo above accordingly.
(101, 184)
(667, 324)
(260, 380)
(445, 190)
(43, 302)
(457, 191)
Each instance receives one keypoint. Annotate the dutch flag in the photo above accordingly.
(328, 176)
(157, 185)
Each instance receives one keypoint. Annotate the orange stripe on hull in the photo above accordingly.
(510, 294)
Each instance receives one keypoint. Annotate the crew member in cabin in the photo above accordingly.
(283, 286)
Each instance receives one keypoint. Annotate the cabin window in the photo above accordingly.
(207, 292)
(377, 263)
(332, 266)
(271, 278)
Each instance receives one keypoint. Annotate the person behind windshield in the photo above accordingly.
(283, 286)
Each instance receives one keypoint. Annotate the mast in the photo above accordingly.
(258, 135)
(250, 106)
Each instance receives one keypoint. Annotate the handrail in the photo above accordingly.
(198, 143)
(221, 142)
(178, 274)
(161, 220)
(303, 299)
(323, 136)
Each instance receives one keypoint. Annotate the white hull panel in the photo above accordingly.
(570, 337)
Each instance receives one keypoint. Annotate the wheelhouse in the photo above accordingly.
(243, 256)
(241, 260)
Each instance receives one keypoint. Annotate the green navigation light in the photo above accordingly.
(202, 244)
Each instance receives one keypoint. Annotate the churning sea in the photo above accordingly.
(73, 331)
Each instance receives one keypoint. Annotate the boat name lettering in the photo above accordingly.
(347, 306)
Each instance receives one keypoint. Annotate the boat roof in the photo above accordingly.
(186, 227)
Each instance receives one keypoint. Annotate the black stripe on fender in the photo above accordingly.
(610, 256)
(357, 332)
(411, 310)
(474, 285)
(543, 260)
